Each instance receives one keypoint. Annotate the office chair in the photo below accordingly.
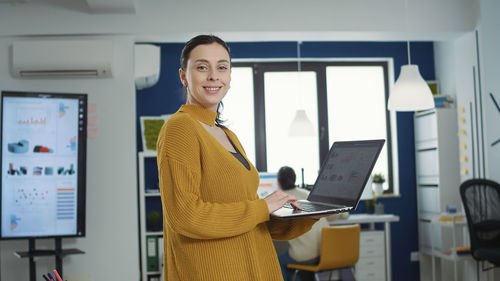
(481, 200)
(339, 249)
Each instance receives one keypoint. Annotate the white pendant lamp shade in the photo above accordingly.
(301, 125)
(410, 92)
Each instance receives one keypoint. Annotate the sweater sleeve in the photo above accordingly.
(286, 229)
(184, 211)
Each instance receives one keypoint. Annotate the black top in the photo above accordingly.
(242, 159)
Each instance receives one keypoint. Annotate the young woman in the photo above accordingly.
(215, 226)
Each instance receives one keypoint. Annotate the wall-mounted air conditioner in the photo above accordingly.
(147, 65)
(62, 58)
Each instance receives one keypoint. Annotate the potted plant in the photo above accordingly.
(378, 180)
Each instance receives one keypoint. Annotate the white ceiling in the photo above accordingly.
(255, 20)
(91, 6)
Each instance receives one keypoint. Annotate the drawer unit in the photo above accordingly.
(371, 263)
(427, 162)
(428, 198)
(437, 173)
(426, 125)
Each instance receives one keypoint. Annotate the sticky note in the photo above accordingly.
(463, 145)
(92, 108)
(464, 170)
(463, 158)
(92, 120)
(92, 133)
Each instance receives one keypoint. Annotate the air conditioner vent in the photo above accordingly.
(58, 58)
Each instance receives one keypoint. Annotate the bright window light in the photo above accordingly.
(356, 107)
(285, 92)
(239, 109)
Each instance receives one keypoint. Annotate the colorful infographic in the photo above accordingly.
(39, 166)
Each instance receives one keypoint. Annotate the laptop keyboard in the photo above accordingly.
(310, 207)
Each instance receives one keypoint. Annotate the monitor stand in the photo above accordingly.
(59, 253)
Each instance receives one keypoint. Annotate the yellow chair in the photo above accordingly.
(339, 249)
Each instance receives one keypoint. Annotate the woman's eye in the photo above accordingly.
(201, 67)
(223, 67)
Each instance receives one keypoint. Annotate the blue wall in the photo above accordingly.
(166, 97)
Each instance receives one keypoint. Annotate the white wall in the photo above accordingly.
(457, 70)
(454, 62)
(490, 61)
(248, 20)
(111, 242)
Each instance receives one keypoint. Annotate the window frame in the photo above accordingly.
(319, 66)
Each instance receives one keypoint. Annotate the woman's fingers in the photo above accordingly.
(296, 205)
(278, 198)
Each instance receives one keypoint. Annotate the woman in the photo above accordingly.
(215, 226)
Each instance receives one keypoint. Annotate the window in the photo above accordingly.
(344, 101)
(285, 92)
(357, 107)
(239, 109)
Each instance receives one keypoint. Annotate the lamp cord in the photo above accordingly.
(407, 32)
(298, 56)
(408, 44)
(299, 69)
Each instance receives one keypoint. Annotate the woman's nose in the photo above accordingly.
(213, 75)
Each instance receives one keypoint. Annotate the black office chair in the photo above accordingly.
(481, 200)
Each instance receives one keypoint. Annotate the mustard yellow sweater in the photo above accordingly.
(215, 226)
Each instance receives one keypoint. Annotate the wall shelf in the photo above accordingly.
(151, 245)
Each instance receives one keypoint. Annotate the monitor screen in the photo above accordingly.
(268, 183)
(43, 164)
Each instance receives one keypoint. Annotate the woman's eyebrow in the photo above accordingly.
(206, 61)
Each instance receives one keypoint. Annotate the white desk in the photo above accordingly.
(372, 219)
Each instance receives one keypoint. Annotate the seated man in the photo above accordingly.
(305, 248)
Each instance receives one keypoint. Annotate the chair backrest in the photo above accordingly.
(481, 200)
(339, 247)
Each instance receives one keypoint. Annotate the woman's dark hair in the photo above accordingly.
(200, 40)
(186, 52)
(286, 178)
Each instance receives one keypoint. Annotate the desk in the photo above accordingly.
(371, 220)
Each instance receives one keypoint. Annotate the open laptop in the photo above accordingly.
(341, 180)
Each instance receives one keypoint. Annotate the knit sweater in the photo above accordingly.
(215, 226)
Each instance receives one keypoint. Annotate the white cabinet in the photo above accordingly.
(438, 181)
(150, 228)
(371, 263)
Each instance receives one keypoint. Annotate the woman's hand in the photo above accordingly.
(278, 198)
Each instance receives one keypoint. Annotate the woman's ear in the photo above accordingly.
(182, 76)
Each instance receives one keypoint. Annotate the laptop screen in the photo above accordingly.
(345, 172)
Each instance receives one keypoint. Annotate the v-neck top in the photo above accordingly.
(240, 158)
(211, 210)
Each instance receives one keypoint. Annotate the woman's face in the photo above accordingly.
(207, 75)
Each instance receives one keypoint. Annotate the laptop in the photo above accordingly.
(341, 180)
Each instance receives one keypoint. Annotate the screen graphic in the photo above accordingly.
(43, 164)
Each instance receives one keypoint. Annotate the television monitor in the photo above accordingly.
(43, 139)
(268, 183)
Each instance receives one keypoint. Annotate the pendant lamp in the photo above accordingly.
(301, 125)
(410, 91)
